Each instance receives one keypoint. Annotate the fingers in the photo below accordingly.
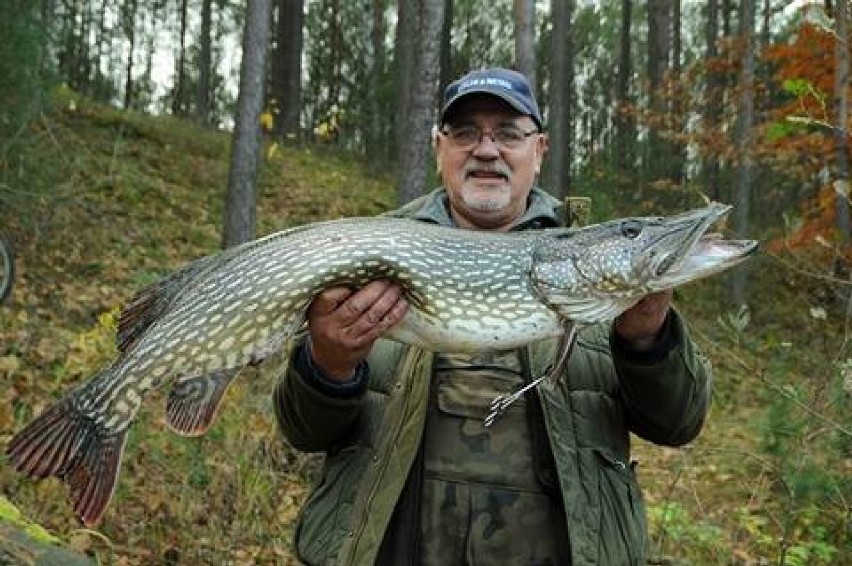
(358, 311)
(655, 304)
(643, 321)
(329, 300)
(370, 315)
(344, 323)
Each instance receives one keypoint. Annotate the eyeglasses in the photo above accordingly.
(465, 138)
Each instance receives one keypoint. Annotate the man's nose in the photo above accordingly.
(486, 147)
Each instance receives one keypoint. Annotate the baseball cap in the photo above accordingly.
(506, 84)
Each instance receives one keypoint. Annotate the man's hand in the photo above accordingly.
(344, 324)
(641, 324)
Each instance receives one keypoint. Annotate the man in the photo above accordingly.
(412, 476)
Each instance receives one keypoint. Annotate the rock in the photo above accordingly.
(17, 548)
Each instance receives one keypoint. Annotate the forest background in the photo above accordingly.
(137, 135)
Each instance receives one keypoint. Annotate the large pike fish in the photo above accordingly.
(468, 291)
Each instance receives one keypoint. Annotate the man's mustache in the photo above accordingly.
(497, 168)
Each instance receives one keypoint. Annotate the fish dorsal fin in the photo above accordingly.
(590, 310)
(150, 303)
(194, 401)
(153, 301)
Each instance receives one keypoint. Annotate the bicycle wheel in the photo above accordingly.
(7, 267)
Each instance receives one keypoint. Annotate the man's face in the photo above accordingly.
(488, 184)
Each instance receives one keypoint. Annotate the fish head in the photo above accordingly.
(596, 273)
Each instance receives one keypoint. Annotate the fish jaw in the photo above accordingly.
(710, 255)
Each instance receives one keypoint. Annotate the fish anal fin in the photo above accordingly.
(64, 443)
(194, 401)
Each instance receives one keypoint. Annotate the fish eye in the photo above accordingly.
(631, 229)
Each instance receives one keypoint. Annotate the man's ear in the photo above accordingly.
(541, 147)
(436, 142)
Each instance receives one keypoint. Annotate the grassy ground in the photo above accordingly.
(132, 198)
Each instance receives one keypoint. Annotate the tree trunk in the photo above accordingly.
(202, 93)
(713, 96)
(841, 112)
(335, 60)
(525, 61)
(179, 87)
(659, 49)
(84, 63)
(561, 88)
(287, 66)
(404, 47)
(416, 148)
(744, 143)
(447, 70)
(375, 147)
(99, 91)
(240, 202)
(130, 32)
(678, 108)
(727, 8)
(625, 125)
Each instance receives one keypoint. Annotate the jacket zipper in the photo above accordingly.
(382, 468)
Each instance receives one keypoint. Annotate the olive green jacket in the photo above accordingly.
(371, 439)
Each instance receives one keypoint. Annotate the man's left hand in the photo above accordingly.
(641, 324)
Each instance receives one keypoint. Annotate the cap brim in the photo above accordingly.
(501, 94)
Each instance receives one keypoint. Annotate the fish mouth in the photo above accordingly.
(672, 249)
(710, 254)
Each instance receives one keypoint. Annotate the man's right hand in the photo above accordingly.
(344, 324)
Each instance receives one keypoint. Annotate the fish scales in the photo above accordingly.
(280, 277)
(467, 291)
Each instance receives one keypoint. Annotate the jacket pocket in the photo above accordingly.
(623, 538)
(472, 398)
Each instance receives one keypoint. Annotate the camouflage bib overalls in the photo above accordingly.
(485, 495)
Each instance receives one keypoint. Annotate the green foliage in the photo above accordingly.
(23, 66)
(12, 515)
(776, 131)
(676, 528)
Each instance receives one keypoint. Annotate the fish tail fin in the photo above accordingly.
(65, 443)
(193, 402)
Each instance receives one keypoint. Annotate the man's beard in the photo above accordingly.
(486, 200)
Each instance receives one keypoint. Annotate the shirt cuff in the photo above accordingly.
(316, 378)
(667, 339)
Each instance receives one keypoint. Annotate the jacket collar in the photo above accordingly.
(543, 210)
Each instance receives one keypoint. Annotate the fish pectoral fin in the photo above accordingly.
(66, 444)
(194, 401)
(589, 310)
